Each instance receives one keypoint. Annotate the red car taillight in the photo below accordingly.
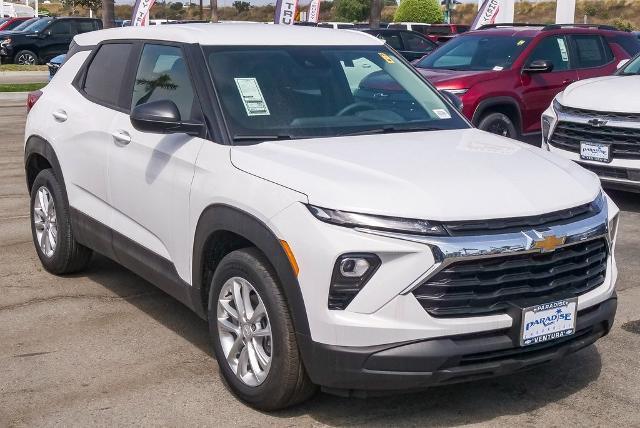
(32, 98)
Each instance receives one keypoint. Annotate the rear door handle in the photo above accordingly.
(60, 115)
(121, 137)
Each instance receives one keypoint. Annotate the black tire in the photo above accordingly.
(286, 383)
(498, 123)
(26, 57)
(68, 256)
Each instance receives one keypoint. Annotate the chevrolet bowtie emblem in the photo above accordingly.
(548, 243)
(597, 122)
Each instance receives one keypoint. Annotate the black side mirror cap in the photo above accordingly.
(539, 66)
(453, 99)
(162, 117)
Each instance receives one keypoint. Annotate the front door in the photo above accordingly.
(539, 89)
(150, 174)
(56, 39)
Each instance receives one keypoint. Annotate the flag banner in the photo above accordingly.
(314, 11)
(494, 12)
(140, 15)
(565, 12)
(285, 11)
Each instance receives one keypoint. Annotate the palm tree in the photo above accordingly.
(214, 10)
(375, 12)
(108, 13)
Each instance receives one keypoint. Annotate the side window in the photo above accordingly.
(163, 75)
(103, 81)
(416, 43)
(590, 51)
(554, 49)
(85, 26)
(61, 28)
(392, 40)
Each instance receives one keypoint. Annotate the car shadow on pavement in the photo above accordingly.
(149, 299)
(464, 403)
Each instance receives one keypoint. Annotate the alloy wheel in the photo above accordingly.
(499, 127)
(45, 221)
(26, 59)
(244, 331)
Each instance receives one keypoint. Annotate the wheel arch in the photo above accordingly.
(506, 105)
(39, 155)
(222, 229)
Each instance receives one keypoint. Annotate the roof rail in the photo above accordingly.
(510, 24)
(594, 26)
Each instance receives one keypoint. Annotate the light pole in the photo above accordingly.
(449, 6)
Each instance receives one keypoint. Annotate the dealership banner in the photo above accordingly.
(140, 15)
(314, 11)
(286, 12)
(494, 12)
(565, 11)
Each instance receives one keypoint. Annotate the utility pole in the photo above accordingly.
(214, 11)
(108, 13)
(374, 15)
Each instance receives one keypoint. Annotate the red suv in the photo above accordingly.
(506, 76)
(11, 23)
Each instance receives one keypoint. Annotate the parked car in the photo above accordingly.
(11, 23)
(437, 33)
(596, 123)
(44, 39)
(326, 241)
(337, 25)
(55, 64)
(410, 44)
(23, 26)
(506, 76)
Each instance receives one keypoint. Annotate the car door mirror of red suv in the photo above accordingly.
(539, 66)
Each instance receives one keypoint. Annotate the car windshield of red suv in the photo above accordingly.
(476, 52)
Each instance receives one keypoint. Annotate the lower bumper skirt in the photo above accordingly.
(416, 365)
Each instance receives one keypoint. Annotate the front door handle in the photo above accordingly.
(568, 81)
(60, 115)
(121, 137)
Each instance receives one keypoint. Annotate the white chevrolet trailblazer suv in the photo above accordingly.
(596, 122)
(334, 229)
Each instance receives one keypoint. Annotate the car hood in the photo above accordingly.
(436, 175)
(595, 94)
(441, 78)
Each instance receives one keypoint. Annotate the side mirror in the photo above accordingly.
(622, 64)
(162, 117)
(539, 66)
(453, 99)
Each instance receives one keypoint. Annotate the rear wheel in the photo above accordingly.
(51, 227)
(498, 123)
(253, 337)
(26, 57)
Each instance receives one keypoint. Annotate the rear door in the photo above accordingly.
(415, 46)
(150, 174)
(592, 56)
(539, 89)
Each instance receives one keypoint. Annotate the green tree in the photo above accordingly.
(94, 5)
(427, 11)
(241, 6)
(352, 10)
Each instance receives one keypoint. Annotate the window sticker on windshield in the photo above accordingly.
(520, 43)
(386, 57)
(498, 68)
(251, 95)
(442, 113)
(563, 50)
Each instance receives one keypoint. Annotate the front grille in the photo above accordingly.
(625, 142)
(491, 285)
(517, 224)
(612, 172)
(600, 114)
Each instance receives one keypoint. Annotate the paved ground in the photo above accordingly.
(107, 348)
(24, 76)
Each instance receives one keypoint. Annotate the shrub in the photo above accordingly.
(427, 11)
(352, 10)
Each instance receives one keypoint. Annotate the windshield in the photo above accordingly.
(476, 53)
(632, 67)
(38, 25)
(314, 91)
(25, 24)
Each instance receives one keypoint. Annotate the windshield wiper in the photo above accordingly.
(263, 137)
(390, 130)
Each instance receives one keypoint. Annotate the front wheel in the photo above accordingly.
(498, 123)
(253, 337)
(26, 57)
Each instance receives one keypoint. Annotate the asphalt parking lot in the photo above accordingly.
(107, 348)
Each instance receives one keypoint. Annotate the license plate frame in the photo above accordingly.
(596, 152)
(551, 321)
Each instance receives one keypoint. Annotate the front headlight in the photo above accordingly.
(557, 107)
(4, 43)
(457, 92)
(369, 221)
